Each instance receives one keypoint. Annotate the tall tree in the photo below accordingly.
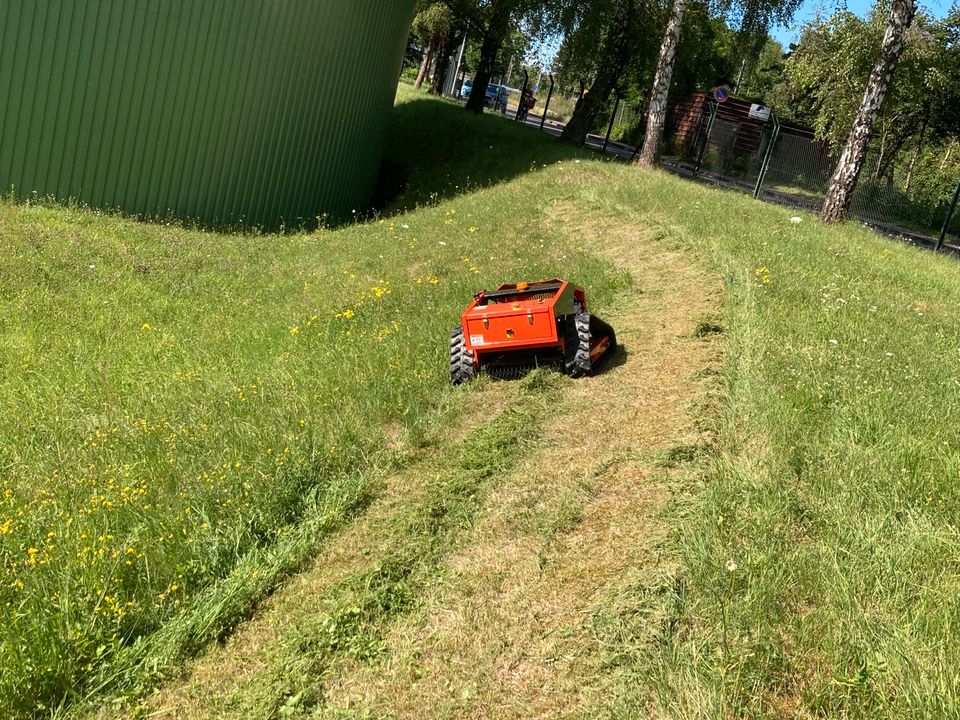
(615, 50)
(755, 17)
(432, 25)
(450, 45)
(657, 114)
(494, 33)
(845, 176)
(494, 21)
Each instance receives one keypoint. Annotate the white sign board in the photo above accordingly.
(759, 112)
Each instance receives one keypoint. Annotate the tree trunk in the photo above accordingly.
(916, 151)
(885, 170)
(492, 40)
(450, 44)
(948, 153)
(844, 181)
(424, 66)
(657, 116)
(613, 59)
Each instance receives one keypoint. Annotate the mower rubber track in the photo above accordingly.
(583, 330)
(461, 359)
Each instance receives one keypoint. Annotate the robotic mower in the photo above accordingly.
(511, 330)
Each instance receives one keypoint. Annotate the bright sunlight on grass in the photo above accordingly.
(187, 415)
(175, 401)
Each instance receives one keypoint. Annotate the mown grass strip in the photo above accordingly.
(819, 559)
(360, 609)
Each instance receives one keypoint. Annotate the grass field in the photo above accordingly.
(188, 416)
(175, 402)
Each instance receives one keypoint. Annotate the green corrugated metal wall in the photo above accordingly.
(225, 111)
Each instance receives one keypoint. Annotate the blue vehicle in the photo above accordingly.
(496, 94)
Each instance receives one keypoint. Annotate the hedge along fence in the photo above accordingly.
(241, 112)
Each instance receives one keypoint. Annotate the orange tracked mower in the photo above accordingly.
(515, 328)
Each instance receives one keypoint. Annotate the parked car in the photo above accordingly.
(496, 94)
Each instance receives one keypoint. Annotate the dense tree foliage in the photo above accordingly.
(433, 27)
(821, 84)
(615, 46)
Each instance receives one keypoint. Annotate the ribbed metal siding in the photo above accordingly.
(225, 111)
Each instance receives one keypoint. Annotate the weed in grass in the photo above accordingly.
(707, 326)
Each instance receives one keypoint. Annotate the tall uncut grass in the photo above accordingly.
(174, 402)
(821, 574)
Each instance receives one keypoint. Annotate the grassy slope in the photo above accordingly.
(819, 556)
(507, 613)
(819, 574)
(175, 401)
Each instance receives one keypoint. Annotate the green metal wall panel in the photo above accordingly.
(258, 112)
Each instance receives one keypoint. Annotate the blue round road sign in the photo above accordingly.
(721, 94)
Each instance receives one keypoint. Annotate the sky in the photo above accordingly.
(545, 52)
(809, 9)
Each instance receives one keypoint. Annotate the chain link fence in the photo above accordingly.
(744, 146)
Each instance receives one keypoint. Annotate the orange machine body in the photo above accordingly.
(519, 317)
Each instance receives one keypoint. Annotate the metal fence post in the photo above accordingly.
(949, 218)
(706, 140)
(767, 155)
(613, 116)
(549, 95)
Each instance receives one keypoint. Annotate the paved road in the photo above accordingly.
(617, 149)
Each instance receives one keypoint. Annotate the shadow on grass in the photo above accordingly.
(436, 150)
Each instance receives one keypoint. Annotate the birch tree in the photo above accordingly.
(844, 180)
(657, 117)
(755, 17)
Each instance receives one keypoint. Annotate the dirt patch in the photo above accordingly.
(508, 633)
